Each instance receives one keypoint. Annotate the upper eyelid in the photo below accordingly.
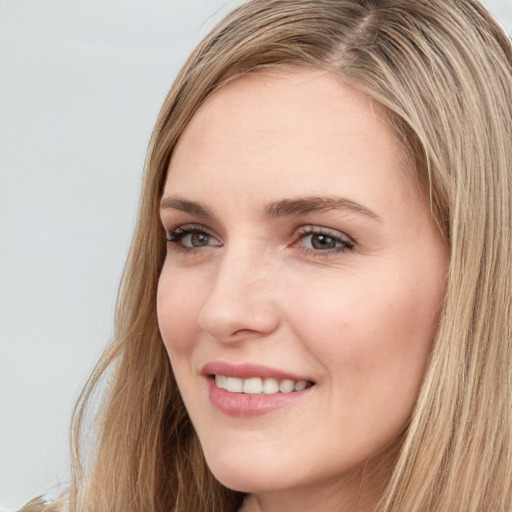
(183, 230)
(177, 235)
(172, 223)
(334, 233)
(301, 231)
(192, 226)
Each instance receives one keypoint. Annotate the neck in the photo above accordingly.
(359, 493)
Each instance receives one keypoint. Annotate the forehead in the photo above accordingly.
(288, 127)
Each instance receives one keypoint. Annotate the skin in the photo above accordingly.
(358, 321)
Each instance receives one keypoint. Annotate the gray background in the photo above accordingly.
(81, 84)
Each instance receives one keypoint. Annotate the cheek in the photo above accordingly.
(178, 306)
(373, 344)
(359, 317)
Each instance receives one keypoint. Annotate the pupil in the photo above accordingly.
(322, 242)
(199, 239)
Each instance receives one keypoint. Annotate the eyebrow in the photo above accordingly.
(282, 208)
(305, 205)
(184, 205)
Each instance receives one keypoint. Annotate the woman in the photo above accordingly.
(323, 321)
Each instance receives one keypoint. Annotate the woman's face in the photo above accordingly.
(301, 257)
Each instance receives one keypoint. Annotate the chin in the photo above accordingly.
(244, 474)
(244, 481)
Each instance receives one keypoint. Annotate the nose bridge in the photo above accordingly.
(241, 297)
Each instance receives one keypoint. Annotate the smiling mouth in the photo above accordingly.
(259, 385)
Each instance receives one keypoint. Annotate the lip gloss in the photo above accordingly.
(249, 405)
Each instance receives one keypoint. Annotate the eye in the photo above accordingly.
(190, 237)
(323, 241)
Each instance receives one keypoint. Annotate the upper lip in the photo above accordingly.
(247, 370)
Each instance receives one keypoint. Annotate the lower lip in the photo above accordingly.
(247, 405)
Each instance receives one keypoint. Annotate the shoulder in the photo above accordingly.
(36, 505)
(41, 505)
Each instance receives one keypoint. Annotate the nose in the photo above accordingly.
(242, 302)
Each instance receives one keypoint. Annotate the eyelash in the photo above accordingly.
(177, 235)
(343, 244)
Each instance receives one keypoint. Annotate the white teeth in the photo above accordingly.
(220, 380)
(286, 386)
(257, 385)
(299, 386)
(253, 385)
(270, 386)
(234, 385)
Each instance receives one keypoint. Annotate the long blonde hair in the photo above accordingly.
(443, 72)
